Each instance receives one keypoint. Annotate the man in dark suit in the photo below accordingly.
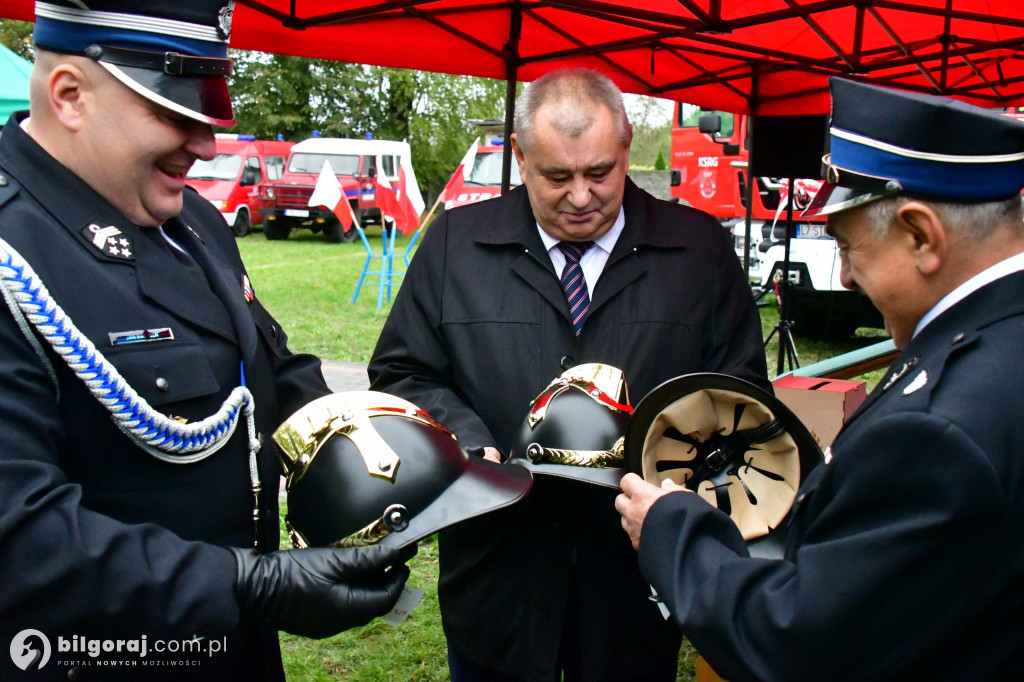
(905, 555)
(481, 326)
(140, 377)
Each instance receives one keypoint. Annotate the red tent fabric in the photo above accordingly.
(766, 57)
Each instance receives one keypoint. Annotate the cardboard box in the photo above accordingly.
(705, 673)
(823, 405)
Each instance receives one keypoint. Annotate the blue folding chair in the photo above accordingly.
(386, 273)
(381, 263)
(398, 271)
(407, 256)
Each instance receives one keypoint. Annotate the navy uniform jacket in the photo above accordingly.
(97, 538)
(478, 329)
(906, 553)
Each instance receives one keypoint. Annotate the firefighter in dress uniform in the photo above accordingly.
(904, 556)
(141, 378)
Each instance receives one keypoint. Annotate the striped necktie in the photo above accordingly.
(574, 284)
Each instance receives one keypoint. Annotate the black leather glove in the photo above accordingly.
(318, 592)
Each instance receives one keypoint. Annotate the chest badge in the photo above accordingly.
(247, 291)
(110, 241)
(141, 336)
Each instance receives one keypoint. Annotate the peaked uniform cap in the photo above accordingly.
(172, 53)
(886, 142)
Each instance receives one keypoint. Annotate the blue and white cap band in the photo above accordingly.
(172, 53)
(922, 146)
(70, 29)
(930, 174)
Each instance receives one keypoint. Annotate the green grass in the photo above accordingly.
(307, 284)
(414, 650)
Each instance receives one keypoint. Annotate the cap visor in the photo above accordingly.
(605, 477)
(201, 98)
(833, 199)
(482, 487)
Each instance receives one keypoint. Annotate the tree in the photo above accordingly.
(660, 163)
(17, 37)
(292, 96)
(652, 128)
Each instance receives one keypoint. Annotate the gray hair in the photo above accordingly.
(972, 221)
(573, 89)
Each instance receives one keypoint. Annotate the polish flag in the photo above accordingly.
(409, 208)
(461, 173)
(387, 202)
(328, 194)
(394, 201)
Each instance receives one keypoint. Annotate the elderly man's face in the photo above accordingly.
(575, 183)
(882, 269)
(136, 153)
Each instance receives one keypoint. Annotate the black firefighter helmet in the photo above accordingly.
(365, 468)
(574, 428)
(734, 444)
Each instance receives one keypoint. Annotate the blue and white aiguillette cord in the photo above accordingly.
(160, 436)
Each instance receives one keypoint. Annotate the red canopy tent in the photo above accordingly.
(765, 57)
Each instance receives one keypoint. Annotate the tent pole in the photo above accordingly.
(511, 71)
(749, 215)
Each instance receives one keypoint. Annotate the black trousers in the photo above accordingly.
(570, 657)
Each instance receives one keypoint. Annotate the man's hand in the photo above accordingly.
(319, 592)
(636, 499)
(492, 454)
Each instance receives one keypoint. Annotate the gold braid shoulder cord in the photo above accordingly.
(158, 435)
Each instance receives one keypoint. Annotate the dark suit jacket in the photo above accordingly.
(906, 553)
(478, 329)
(97, 538)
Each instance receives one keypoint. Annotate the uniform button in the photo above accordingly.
(958, 338)
(3, 181)
(273, 330)
(566, 362)
(162, 384)
(74, 674)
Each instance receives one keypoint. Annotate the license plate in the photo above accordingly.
(296, 213)
(812, 231)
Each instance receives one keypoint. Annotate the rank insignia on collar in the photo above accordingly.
(899, 374)
(110, 241)
(917, 384)
(247, 291)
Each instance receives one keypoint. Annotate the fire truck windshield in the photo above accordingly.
(487, 170)
(341, 164)
(220, 167)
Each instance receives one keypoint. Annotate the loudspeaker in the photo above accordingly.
(788, 146)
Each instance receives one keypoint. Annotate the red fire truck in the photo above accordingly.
(231, 180)
(483, 180)
(710, 172)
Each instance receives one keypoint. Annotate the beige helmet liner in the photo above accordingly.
(760, 490)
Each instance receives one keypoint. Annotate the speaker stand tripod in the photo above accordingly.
(787, 348)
